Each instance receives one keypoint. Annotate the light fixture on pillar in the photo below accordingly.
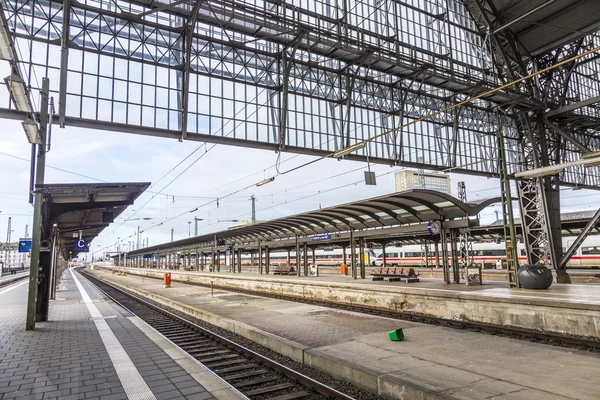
(587, 160)
(347, 150)
(18, 92)
(7, 50)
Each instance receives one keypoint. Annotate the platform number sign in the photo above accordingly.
(80, 245)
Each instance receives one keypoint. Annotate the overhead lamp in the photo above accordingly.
(32, 131)
(18, 92)
(347, 150)
(589, 160)
(6, 46)
(271, 179)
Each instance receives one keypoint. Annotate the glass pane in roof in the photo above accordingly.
(381, 214)
(445, 204)
(420, 208)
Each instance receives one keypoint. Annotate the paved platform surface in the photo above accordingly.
(68, 358)
(572, 294)
(7, 278)
(432, 362)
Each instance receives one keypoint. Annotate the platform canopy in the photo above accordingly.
(403, 208)
(84, 207)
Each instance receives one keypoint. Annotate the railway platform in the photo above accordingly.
(433, 362)
(91, 348)
(8, 278)
(571, 309)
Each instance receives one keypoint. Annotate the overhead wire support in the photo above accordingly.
(508, 220)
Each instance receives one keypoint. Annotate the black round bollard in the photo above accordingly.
(535, 277)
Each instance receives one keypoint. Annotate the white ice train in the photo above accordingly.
(323, 257)
(486, 254)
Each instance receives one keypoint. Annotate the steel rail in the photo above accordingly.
(286, 371)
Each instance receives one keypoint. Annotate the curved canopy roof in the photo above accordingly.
(409, 207)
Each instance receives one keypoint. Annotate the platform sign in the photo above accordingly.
(45, 246)
(24, 245)
(323, 236)
(147, 255)
(80, 245)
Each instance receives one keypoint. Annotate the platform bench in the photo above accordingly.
(284, 270)
(395, 274)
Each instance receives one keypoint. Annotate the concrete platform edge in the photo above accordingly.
(217, 387)
(550, 316)
(361, 377)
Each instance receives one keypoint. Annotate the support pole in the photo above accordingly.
(437, 253)
(314, 260)
(352, 254)
(260, 258)
(384, 256)
(305, 256)
(361, 246)
(268, 259)
(37, 213)
(444, 243)
(454, 256)
(297, 256)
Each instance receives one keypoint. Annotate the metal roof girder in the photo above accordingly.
(309, 219)
(360, 208)
(296, 225)
(334, 214)
(401, 206)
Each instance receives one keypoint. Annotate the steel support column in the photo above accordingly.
(305, 257)
(268, 260)
(297, 256)
(454, 256)
(444, 243)
(352, 254)
(260, 258)
(361, 247)
(36, 238)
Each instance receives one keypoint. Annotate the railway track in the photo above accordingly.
(9, 282)
(554, 339)
(253, 374)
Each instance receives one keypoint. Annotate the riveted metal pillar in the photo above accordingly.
(298, 270)
(361, 245)
(454, 255)
(352, 254)
(268, 260)
(305, 256)
(260, 258)
(444, 243)
(35, 278)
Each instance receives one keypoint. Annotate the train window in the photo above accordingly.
(523, 252)
(494, 252)
(413, 254)
(590, 250)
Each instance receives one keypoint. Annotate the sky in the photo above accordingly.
(117, 157)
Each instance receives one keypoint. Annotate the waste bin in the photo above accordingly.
(167, 280)
(343, 269)
(535, 277)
